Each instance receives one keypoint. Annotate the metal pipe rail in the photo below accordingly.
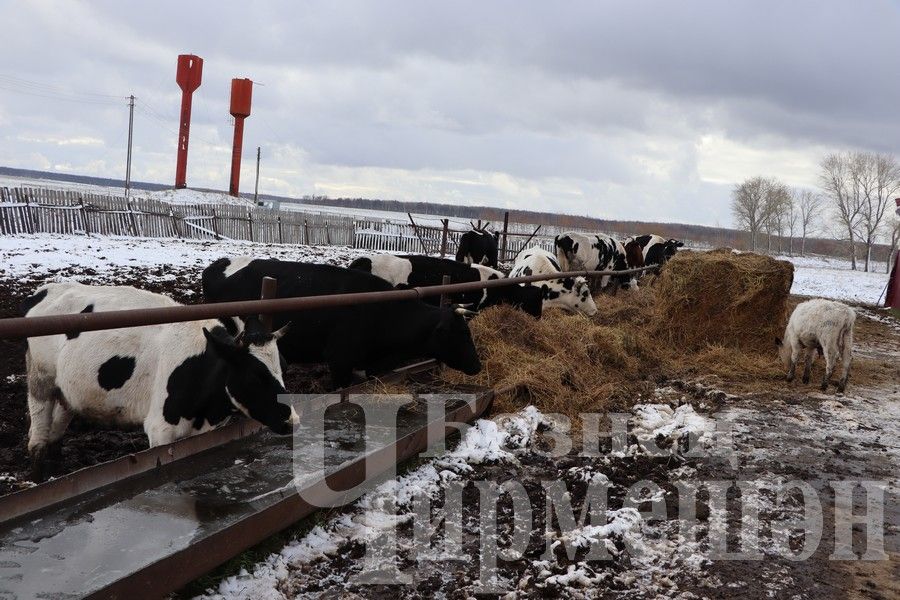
(21, 327)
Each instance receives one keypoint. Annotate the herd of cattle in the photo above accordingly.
(179, 379)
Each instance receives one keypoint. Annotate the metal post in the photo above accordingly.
(418, 235)
(446, 223)
(269, 290)
(130, 129)
(256, 187)
(503, 256)
(445, 299)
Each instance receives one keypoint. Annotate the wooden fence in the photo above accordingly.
(39, 210)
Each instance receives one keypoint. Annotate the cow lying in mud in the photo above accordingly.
(570, 293)
(822, 326)
(175, 379)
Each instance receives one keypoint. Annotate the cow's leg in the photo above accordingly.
(830, 363)
(42, 394)
(846, 358)
(796, 352)
(62, 416)
(807, 369)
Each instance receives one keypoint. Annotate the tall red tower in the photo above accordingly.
(241, 93)
(190, 72)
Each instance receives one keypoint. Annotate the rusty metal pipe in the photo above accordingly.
(21, 327)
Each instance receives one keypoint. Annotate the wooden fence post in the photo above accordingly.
(4, 221)
(444, 233)
(175, 224)
(503, 256)
(131, 218)
(250, 222)
(29, 221)
(84, 217)
(215, 223)
(353, 234)
(306, 232)
(327, 235)
(280, 231)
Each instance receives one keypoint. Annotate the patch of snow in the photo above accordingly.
(824, 277)
(652, 421)
(39, 256)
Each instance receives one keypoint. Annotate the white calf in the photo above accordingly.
(819, 326)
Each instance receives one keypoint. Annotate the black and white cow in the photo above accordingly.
(657, 250)
(478, 247)
(569, 293)
(598, 252)
(414, 270)
(371, 337)
(175, 379)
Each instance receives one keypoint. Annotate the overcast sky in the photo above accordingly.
(639, 110)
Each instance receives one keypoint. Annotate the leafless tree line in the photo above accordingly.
(854, 203)
(766, 206)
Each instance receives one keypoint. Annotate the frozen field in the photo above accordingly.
(825, 277)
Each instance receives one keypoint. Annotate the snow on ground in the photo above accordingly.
(41, 255)
(508, 442)
(825, 277)
(189, 196)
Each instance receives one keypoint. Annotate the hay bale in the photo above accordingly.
(722, 298)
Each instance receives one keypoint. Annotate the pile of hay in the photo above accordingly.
(563, 363)
(713, 312)
(723, 298)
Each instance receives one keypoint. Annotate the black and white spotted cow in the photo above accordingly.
(569, 293)
(656, 249)
(478, 247)
(369, 337)
(415, 270)
(597, 252)
(175, 379)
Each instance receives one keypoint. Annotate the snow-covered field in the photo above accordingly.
(826, 277)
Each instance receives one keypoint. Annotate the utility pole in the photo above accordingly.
(130, 128)
(256, 187)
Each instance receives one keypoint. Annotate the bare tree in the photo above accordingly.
(879, 180)
(776, 205)
(748, 204)
(808, 206)
(838, 178)
(792, 219)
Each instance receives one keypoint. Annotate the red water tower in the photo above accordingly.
(188, 76)
(241, 93)
(893, 290)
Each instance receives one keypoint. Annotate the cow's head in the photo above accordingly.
(254, 374)
(671, 247)
(451, 343)
(784, 353)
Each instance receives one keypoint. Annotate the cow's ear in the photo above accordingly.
(225, 349)
(778, 342)
(277, 335)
